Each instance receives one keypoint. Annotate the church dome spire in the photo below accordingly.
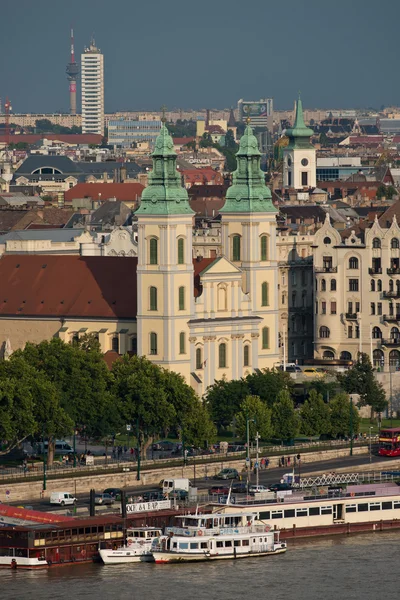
(299, 134)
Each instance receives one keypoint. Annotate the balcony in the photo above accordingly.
(391, 342)
(393, 271)
(351, 316)
(325, 269)
(375, 270)
(392, 294)
(391, 318)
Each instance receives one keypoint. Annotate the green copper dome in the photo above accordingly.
(248, 192)
(299, 135)
(164, 194)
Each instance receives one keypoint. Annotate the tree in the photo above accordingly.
(230, 142)
(206, 141)
(386, 191)
(224, 399)
(314, 415)
(197, 427)
(268, 384)
(339, 409)
(259, 415)
(191, 145)
(285, 420)
(360, 379)
(323, 139)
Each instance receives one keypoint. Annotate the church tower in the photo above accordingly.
(165, 264)
(249, 241)
(299, 156)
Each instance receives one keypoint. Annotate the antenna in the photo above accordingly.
(72, 71)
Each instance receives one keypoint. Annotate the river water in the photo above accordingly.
(361, 567)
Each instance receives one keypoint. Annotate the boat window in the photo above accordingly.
(220, 544)
(375, 506)
(351, 508)
(313, 511)
(142, 534)
(193, 546)
(245, 542)
(265, 539)
(228, 544)
(386, 506)
(236, 543)
(396, 504)
(81, 531)
(265, 515)
(183, 545)
(6, 552)
(21, 552)
(301, 512)
(326, 510)
(289, 513)
(87, 530)
(362, 507)
(175, 545)
(203, 545)
(277, 514)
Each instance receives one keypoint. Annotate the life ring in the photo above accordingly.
(199, 532)
(352, 494)
(141, 542)
(130, 542)
(83, 553)
(267, 527)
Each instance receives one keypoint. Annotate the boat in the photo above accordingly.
(216, 536)
(137, 547)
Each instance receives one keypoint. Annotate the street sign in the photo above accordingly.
(128, 427)
(247, 460)
(256, 465)
(7, 492)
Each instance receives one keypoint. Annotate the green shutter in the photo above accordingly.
(265, 338)
(181, 298)
(199, 362)
(246, 356)
(264, 250)
(222, 355)
(182, 343)
(181, 246)
(264, 294)
(153, 252)
(153, 343)
(236, 248)
(153, 298)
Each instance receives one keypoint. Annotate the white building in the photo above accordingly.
(299, 156)
(92, 72)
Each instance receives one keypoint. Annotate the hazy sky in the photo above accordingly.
(208, 53)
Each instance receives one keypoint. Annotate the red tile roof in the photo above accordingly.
(199, 264)
(69, 138)
(121, 191)
(182, 141)
(68, 286)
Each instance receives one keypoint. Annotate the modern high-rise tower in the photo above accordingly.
(92, 68)
(72, 75)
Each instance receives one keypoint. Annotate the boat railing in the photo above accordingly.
(226, 530)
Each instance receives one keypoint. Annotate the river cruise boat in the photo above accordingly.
(137, 547)
(215, 536)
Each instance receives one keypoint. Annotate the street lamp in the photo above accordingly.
(248, 449)
(370, 445)
(257, 463)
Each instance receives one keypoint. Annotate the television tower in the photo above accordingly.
(72, 75)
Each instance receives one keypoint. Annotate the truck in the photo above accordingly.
(168, 485)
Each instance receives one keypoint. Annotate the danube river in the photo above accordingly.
(361, 567)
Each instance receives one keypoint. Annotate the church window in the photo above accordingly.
(376, 243)
(236, 248)
(134, 345)
(181, 248)
(153, 298)
(246, 356)
(153, 251)
(264, 294)
(222, 356)
(304, 179)
(199, 362)
(182, 343)
(115, 343)
(394, 243)
(153, 343)
(353, 262)
(181, 298)
(264, 247)
(289, 177)
(265, 338)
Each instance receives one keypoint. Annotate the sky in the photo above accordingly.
(204, 54)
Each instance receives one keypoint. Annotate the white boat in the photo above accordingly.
(137, 547)
(215, 536)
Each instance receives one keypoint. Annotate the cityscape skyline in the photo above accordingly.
(152, 58)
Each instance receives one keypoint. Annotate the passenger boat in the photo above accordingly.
(216, 536)
(137, 547)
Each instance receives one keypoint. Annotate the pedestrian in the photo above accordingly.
(125, 449)
(266, 463)
(288, 461)
(131, 451)
(294, 460)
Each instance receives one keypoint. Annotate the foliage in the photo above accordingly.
(360, 379)
(285, 419)
(386, 191)
(259, 415)
(191, 145)
(230, 141)
(224, 399)
(315, 416)
(322, 386)
(46, 126)
(339, 409)
(268, 384)
(323, 139)
(206, 141)
(198, 429)
(182, 128)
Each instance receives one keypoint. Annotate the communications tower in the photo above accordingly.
(72, 76)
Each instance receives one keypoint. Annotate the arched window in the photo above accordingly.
(153, 298)
(376, 333)
(265, 338)
(372, 285)
(328, 355)
(391, 284)
(181, 251)
(376, 243)
(394, 358)
(236, 248)
(294, 299)
(394, 243)
(75, 339)
(397, 285)
(323, 285)
(134, 345)
(115, 343)
(182, 343)
(222, 356)
(264, 247)
(181, 294)
(378, 358)
(264, 294)
(394, 333)
(353, 262)
(327, 240)
(153, 343)
(246, 356)
(153, 251)
(345, 355)
(333, 285)
(379, 286)
(199, 361)
(324, 332)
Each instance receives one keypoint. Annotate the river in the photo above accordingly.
(360, 567)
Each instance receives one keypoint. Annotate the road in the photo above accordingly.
(266, 477)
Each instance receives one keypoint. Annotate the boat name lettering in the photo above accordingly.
(145, 506)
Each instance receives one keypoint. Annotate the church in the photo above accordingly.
(206, 318)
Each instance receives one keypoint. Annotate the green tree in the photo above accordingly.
(224, 399)
(197, 427)
(259, 415)
(323, 139)
(386, 191)
(360, 379)
(268, 384)
(230, 142)
(191, 145)
(339, 408)
(206, 141)
(315, 415)
(182, 128)
(285, 419)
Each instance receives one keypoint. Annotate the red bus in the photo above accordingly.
(389, 441)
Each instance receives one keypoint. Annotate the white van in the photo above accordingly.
(62, 498)
(60, 448)
(168, 485)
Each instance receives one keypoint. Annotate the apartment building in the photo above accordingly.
(92, 72)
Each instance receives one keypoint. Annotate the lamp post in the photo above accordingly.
(44, 463)
(351, 426)
(74, 446)
(370, 445)
(257, 463)
(138, 449)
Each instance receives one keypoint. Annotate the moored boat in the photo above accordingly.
(137, 547)
(216, 536)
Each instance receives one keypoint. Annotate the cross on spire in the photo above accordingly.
(163, 118)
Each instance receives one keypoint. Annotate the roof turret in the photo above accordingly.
(299, 135)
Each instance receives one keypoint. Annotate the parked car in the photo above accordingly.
(151, 495)
(239, 488)
(104, 499)
(114, 492)
(255, 489)
(293, 369)
(227, 474)
(312, 372)
(279, 487)
(219, 489)
(164, 446)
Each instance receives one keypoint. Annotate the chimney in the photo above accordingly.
(105, 177)
(123, 174)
